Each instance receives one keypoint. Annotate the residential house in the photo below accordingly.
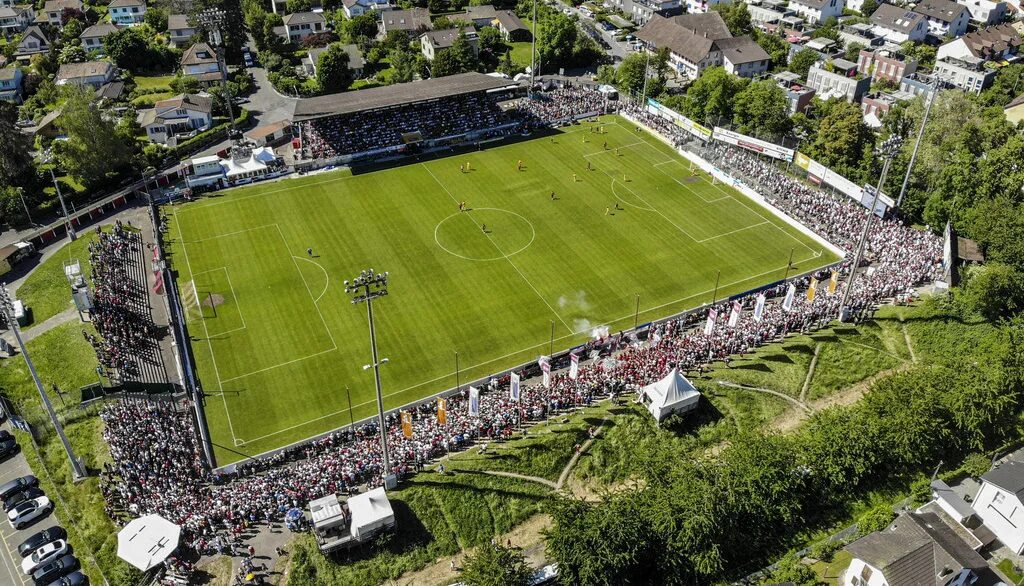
(885, 64)
(945, 17)
(91, 73)
(858, 5)
(967, 73)
(432, 42)
(641, 11)
(898, 25)
(14, 19)
(919, 549)
(356, 62)
(179, 31)
(762, 12)
(92, 37)
(478, 16)
(512, 28)
(860, 34)
(692, 41)
(200, 62)
(876, 105)
(33, 42)
(10, 84)
(354, 8)
(110, 92)
(7, 3)
(994, 43)
(413, 21)
(1000, 500)
(742, 56)
(271, 134)
(918, 85)
(825, 47)
(815, 11)
(830, 85)
(300, 25)
(169, 119)
(986, 12)
(696, 6)
(797, 93)
(53, 9)
(126, 12)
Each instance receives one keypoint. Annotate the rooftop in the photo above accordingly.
(942, 10)
(408, 20)
(896, 18)
(445, 38)
(303, 18)
(991, 41)
(98, 30)
(178, 22)
(82, 70)
(198, 54)
(690, 35)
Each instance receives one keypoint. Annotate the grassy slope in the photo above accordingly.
(577, 268)
(46, 290)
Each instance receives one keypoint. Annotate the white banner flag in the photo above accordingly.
(474, 402)
(513, 387)
(545, 366)
(574, 366)
(734, 317)
(759, 307)
(710, 324)
(787, 303)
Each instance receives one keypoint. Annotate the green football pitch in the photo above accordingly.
(280, 348)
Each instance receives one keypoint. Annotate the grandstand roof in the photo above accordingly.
(396, 95)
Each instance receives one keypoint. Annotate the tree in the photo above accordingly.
(876, 519)
(94, 148)
(869, 7)
(15, 146)
(843, 141)
(72, 54)
(233, 30)
(445, 63)
(994, 291)
(632, 78)
(852, 52)
(69, 14)
(71, 31)
(801, 63)
(464, 54)
(792, 571)
(294, 6)
(364, 26)
(184, 84)
(496, 566)
(332, 71)
(491, 47)
(775, 46)
(762, 109)
(923, 53)
(403, 64)
(710, 98)
(128, 47)
(736, 17)
(156, 17)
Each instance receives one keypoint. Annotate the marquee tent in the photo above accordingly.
(147, 541)
(669, 395)
(371, 512)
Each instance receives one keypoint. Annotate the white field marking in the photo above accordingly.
(542, 344)
(687, 187)
(735, 231)
(498, 248)
(204, 205)
(667, 162)
(618, 197)
(213, 357)
(237, 232)
(741, 202)
(613, 149)
(326, 274)
(248, 374)
(442, 246)
(306, 285)
(654, 209)
(233, 295)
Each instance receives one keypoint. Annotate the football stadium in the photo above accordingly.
(496, 255)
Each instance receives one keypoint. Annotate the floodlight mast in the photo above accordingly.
(366, 287)
(7, 308)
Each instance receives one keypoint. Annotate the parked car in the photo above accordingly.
(22, 496)
(8, 447)
(5, 435)
(29, 511)
(44, 555)
(47, 573)
(17, 485)
(42, 538)
(72, 579)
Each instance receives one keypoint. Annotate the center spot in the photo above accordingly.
(463, 234)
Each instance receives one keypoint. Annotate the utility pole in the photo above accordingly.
(920, 135)
(647, 66)
(7, 306)
(21, 195)
(51, 160)
(366, 287)
(212, 19)
(533, 49)
(888, 150)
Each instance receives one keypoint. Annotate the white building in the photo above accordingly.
(182, 115)
(834, 85)
(53, 9)
(14, 19)
(206, 171)
(945, 17)
(91, 73)
(968, 74)
(994, 43)
(433, 42)
(179, 31)
(815, 11)
(355, 8)
(898, 25)
(200, 62)
(92, 37)
(300, 25)
(126, 12)
(698, 41)
(985, 12)
(1000, 503)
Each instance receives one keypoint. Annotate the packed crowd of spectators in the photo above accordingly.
(662, 125)
(118, 299)
(561, 105)
(156, 454)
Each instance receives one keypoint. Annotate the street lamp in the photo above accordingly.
(888, 150)
(212, 19)
(366, 287)
(7, 307)
(49, 159)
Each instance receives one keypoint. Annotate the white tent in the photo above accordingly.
(371, 512)
(669, 395)
(147, 541)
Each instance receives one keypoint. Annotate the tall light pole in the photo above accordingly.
(7, 307)
(533, 49)
(366, 287)
(888, 149)
(920, 134)
(212, 19)
(51, 161)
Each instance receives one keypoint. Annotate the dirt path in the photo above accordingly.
(536, 479)
(810, 374)
(575, 457)
(784, 396)
(526, 537)
(910, 345)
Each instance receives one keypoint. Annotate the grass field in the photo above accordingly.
(278, 343)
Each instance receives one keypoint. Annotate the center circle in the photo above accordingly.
(462, 234)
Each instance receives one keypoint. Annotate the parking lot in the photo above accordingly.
(10, 538)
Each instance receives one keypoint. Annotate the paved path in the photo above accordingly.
(67, 316)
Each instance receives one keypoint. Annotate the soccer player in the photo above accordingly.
(574, 178)
(484, 228)
(588, 165)
(605, 147)
(607, 211)
(553, 196)
(462, 169)
(309, 251)
(519, 165)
